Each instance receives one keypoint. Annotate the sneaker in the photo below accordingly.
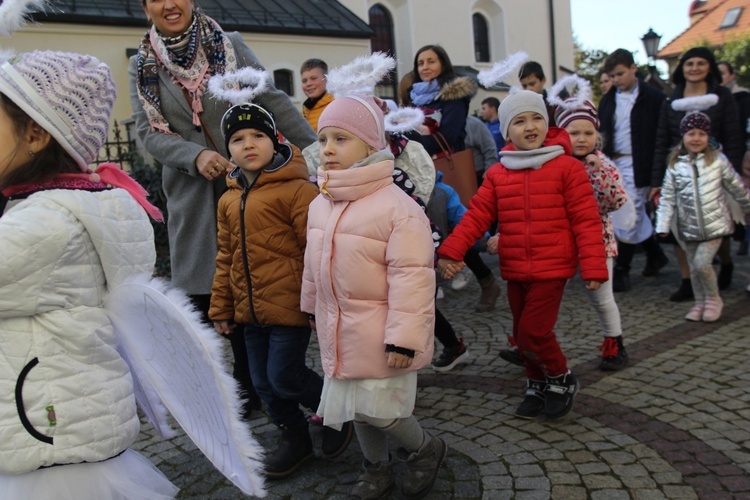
(614, 356)
(439, 295)
(620, 281)
(450, 357)
(460, 280)
(696, 312)
(712, 309)
(533, 400)
(653, 266)
(512, 356)
(685, 292)
(560, 392)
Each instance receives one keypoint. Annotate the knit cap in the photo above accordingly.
(248, 115)
(360, 115)
(586, 111)
(517, 103)
(69, 95)
(693, 120)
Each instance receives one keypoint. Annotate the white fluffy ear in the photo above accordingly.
(502, 70)
(697, 103)
(404, 120)
(359, 76)
(13, 13)
(581, 94)
(239, 86)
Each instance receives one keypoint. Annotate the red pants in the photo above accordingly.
(535, 306)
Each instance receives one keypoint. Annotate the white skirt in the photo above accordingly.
(386, 398)
(125, 477)
(641, 228)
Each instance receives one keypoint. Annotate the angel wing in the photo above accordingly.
(176, 362)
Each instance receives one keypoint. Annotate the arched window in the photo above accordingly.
(481, 38)
(382, 24)
(284, 80)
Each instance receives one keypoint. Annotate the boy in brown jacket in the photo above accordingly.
(262, 220)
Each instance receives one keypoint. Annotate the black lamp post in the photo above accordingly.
(651, 44)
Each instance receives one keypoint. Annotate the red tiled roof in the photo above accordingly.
(707, 31)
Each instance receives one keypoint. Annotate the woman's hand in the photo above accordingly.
(396, 360)
(593, 162)
(212, 165)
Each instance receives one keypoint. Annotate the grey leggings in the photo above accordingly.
(700, 255)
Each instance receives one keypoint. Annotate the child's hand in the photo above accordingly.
(224, 327)
(396, 360)
(654, 195)
(593, 162)
(449, 268)
(492, 244)
(593, 285)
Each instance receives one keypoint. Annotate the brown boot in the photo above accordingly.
(490, 294)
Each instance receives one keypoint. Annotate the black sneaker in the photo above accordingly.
(533, 399)
(512, 356)
(560, 392)
(614, 356)
(620, 281)
(685, 292)
(653, 266)
(450, 357)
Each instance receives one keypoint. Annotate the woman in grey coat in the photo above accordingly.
(179, 126)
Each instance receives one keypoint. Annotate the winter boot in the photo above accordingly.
(685, 292)
(712, 309)
(696, 312)
(533, 401)
(335, 442)
(294, 449)
(725, 275)
(560, 393)
(490, 294)
(422, 466)
(375, 484)
(614, 356)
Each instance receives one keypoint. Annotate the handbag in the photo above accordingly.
(457, 168)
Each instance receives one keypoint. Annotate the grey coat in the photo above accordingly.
(699, 195)
(479, 139)
(191, 198)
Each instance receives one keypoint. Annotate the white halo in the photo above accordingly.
(359, 76)
(404, 120)
(240, 86)
(502, 70)
(582, 94)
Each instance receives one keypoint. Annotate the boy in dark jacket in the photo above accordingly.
(629, 115)
(548, 222)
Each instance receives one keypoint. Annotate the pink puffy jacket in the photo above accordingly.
(369, 276)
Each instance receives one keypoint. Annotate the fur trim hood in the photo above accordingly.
(462, 87)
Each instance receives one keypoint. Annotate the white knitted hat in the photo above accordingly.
(517, 103)
(69, 95)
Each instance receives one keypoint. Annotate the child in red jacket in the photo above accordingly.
(548, 221)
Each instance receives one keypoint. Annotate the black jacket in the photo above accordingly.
(725, 128)
(644, 119)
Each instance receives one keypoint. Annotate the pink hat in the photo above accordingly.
(361, 116)
(586, 111)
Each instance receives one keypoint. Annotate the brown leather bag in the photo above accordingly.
(457, 168)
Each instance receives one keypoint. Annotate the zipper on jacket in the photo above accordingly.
(527, 213)
(243, 243)
(696, 193)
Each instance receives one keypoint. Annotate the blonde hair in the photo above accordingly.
(680, 150)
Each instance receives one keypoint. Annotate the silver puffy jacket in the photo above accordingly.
(699, 195)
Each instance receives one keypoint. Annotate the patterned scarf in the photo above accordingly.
(191, 59)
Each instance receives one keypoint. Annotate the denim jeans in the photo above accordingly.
(276, 355)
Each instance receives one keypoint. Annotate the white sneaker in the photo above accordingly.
(460, 280)
(440, 293)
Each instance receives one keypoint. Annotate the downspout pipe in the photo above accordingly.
(553, 45)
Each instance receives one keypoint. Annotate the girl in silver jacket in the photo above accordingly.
(698, 187)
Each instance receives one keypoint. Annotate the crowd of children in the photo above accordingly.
(294, 257)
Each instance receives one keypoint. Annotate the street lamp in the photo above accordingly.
(651, 43)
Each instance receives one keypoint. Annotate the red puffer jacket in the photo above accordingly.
(547, 219)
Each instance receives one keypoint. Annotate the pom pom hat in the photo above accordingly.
(68, 95)
(252, 116)
(517, 103)
(586, 111)
(693, 120)
(360, 115)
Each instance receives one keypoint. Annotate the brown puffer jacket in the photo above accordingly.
(274, 232)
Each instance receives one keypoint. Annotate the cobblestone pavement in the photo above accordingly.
(675, 424)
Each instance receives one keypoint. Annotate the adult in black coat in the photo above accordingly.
(698, 74)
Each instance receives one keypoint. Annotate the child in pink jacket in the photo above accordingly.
(368, 284)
